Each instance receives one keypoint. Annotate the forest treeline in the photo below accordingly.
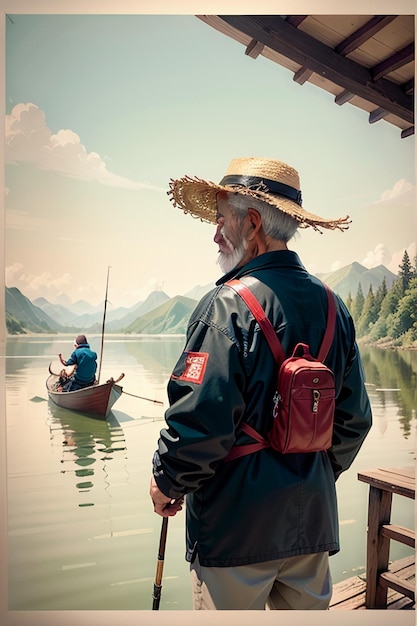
(388, 317)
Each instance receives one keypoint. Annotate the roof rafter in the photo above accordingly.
(400, 58)
(356, 39)
(282, 37)
(364, 33)
(295, 20)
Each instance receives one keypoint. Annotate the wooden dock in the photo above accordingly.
(385, 585)
(350, 594)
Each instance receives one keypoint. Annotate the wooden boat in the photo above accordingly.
(96, 400)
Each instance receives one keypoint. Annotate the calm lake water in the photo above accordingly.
(82, 534)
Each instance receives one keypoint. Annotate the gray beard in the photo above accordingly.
(228, 262)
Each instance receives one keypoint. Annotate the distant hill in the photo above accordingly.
(31, 317)
(153, 301)
(90, 319)
(92, 322)
(58, 312)
(82, 306)
(199, 291)
(346, 280)
(158, 314)
(169, 318)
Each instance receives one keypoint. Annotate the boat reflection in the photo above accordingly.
(88, 447)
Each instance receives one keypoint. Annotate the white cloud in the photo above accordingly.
(90, 294)
(34, 286)
(402, 191)
(397, 257)
(12, 272)
(133, 296)
(380, 255)
(29, 140)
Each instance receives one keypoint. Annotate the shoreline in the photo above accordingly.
(388, 344)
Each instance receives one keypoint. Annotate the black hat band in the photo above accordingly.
(263, 184)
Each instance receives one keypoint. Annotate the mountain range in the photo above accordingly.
(158, 314)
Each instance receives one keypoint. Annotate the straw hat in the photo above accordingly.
(272, 181)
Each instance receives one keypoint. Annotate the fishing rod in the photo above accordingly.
(157, 587)
(102, 344)
(103, 324)
(142, 398)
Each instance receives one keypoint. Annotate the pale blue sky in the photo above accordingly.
(133, 100)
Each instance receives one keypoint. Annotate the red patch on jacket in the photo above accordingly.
(195, 367)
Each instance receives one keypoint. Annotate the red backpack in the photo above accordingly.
(304, 400)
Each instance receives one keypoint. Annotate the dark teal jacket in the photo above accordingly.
(265, 505)
(86, 361)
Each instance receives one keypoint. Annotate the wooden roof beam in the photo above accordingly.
(302, 75)
(364, 33)
(356, 39)
(408, 87)
(349, 44)
(344, 97)
(377, 115)
(404, 56)
(407, 132)
(254, 49)
(277, 34)
(295, 20)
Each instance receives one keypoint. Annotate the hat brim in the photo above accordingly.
(197, 197)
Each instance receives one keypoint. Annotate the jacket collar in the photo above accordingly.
(283, 258)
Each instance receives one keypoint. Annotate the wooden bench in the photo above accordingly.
(383, 483)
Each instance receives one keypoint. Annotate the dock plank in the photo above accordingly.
(350, 594)
(395, 480)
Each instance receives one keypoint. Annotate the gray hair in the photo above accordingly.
(275, 223)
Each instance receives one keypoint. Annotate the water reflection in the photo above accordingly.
(82, 533)
(157, 355)
(87, 446)
(23, 352)
(392, 378)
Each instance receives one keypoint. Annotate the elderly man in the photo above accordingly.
(260, 527)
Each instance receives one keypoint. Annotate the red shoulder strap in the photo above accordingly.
(259, 314)
(331, 322)
(269, 331)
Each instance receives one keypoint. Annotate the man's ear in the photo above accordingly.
(256, 221)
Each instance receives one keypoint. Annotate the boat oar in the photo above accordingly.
(160, 565)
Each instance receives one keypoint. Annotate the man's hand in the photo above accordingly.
(162, 504)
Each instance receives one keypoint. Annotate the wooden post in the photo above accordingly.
(379, 513)
(383, 482)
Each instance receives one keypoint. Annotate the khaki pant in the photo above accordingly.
(299, 583)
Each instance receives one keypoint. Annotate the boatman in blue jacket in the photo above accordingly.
(85, 361)
(260, 527)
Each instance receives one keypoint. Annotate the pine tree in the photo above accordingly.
(381, 292)
(369, 314)
(358, 304)
(349, 303)
(391, 300)
(414, 267)
(405, 317)
(405, 271)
